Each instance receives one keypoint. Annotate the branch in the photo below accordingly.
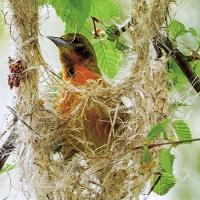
(6, 149)
(151, 146)
(165, 44)
(9, 145)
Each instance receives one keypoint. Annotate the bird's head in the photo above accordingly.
(75, 51)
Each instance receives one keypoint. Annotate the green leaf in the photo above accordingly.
(196, 66)
(76, 16)
(41, 2)
(177, 104)
(182, 130)
(104, 9)
(79, 11)
(166, 160)
(176, 75)
(192, 31)
(165, 183)
(72, 12)
(176, 29)
(158, 129)
(108, 57)
(146, 155)
(7, 168)
(166, 180)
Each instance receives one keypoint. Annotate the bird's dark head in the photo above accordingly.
(75, 49)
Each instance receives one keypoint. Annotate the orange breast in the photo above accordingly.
(96, 127)
(83, 74)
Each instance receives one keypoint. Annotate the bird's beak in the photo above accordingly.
(58, 41)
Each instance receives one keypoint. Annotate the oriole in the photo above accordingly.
(79, 64)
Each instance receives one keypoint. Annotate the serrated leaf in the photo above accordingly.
(166, 160)
(76, 16)
(72, 12)
(176, 29)
(176, 75)
(146, 155)
(79, 11)
(196, 66)
(165, 183)
(104, 9)
(158, 129)
(108, 57)
(87, 30)
(182, 130)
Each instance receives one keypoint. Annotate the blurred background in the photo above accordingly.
(187, 163)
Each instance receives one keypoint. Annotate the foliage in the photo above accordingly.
(167, 179)
(146, 155)
(178, 128)
(107, 57)
(76, 14)
(171, 130)
(158, 129)
(175, 31)
(177, 104)
(175, 75)
(182, 130)
(166, 160)
(165, 183)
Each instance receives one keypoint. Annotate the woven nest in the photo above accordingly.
(57, 158)
(61, 162)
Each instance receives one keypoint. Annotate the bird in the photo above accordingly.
(79, 65)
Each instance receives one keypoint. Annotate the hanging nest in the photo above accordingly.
(60, 161)
(58, 157)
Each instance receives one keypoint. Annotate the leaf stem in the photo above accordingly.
(151, 146)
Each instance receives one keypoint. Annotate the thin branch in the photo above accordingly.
(94, 20)
(154, 185)
(151, 146)
(165, 44)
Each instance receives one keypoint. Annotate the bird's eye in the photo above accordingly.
(77, 40)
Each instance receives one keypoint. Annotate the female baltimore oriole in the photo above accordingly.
(79, 64)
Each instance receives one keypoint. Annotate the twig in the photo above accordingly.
(165, 44)
(94, 20)
(154, 185)
(8, 145)
(151, 146)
